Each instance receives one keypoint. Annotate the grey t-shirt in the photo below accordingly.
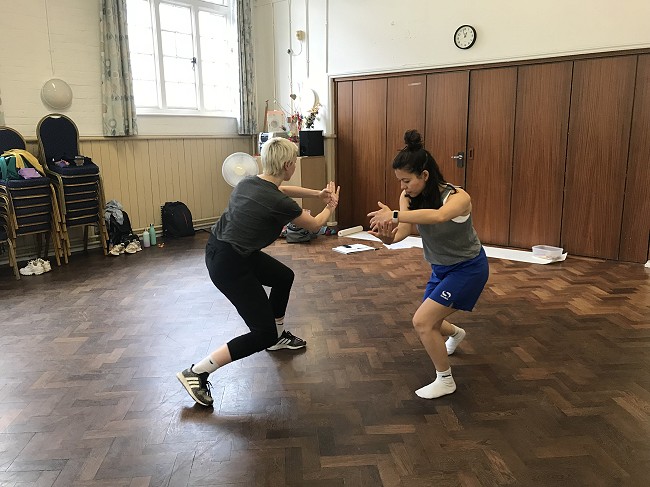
(449, 242)
(256, 213)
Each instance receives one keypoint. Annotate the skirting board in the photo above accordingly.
(27, 250)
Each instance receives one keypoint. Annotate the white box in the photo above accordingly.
(547, 252)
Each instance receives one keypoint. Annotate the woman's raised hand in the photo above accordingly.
(330, 195)
(382, 215)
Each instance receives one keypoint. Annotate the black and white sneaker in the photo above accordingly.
(288, 340)
(196, 385)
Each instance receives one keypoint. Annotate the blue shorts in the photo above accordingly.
(459, 285)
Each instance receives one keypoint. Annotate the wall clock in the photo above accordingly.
(465, 37)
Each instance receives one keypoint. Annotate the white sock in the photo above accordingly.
(454, 339)
(206, 365)
(444, 384)
(279, 325)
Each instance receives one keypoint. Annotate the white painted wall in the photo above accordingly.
(43, 39)
(367, 36)
(60, 38)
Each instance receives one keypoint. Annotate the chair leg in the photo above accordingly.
(56, 246)
(46, 251)
(103, 235)
(85, 238)
(39, 246)
(12, 259)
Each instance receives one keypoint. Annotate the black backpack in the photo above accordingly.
(119, 232)
(176, 220)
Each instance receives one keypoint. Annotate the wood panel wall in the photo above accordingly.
(557, 149)
(489, 144)
(543, 98)
(405, 111)
(368, 153)
(446, 132)
(142, 174)
(344, 145)
(635, 230)
(597, 153)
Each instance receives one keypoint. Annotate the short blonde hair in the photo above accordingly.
(275, 152)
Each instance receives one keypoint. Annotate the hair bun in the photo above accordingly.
(413, 140)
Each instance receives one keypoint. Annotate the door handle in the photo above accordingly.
(460, 159)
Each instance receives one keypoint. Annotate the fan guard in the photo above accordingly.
(237, 166)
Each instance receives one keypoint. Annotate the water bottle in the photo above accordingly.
(145, 238)
(152, 235)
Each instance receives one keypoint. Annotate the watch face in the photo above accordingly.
(465, 36)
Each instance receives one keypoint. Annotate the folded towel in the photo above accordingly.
(29, 173)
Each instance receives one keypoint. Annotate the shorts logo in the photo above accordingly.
(446, 295)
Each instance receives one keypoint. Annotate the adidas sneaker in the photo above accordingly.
(288, 340)
(197, 386)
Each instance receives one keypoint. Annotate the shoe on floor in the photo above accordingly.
(117, 249)
(131, 248)
(288, 340)
(197, 386)
(47, 267)
(33, 268)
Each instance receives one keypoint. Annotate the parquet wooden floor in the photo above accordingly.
(553, 378)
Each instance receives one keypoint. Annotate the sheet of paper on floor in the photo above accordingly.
(352, 248)
(409, 242)
(519, 255)
(495, 252)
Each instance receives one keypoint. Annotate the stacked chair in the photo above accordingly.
(8, 242)
(78, 183)
(27, 207)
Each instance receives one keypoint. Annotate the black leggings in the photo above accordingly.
(240, 279)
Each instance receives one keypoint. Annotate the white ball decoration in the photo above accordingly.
(56, 93)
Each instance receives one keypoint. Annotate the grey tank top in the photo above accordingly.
(449, 242)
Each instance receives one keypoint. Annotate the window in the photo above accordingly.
(184, 56)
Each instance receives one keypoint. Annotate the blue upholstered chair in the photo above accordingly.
(28, 206)
(78, 183)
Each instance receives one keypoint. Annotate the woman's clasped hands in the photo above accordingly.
(381, 224)
(330, 195)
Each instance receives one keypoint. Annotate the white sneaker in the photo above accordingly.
(117, 249)
(45, 264)
(33, 268)
(131, 248)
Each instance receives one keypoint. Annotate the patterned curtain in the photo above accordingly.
(248, 107)
(118, 112)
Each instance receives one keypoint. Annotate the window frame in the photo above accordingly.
(195, 6)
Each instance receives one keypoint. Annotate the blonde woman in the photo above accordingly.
(257, 211)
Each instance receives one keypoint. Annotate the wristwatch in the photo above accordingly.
(395, 219)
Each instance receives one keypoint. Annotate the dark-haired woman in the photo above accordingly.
(459, 266)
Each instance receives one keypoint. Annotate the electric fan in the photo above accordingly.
(237, 166)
